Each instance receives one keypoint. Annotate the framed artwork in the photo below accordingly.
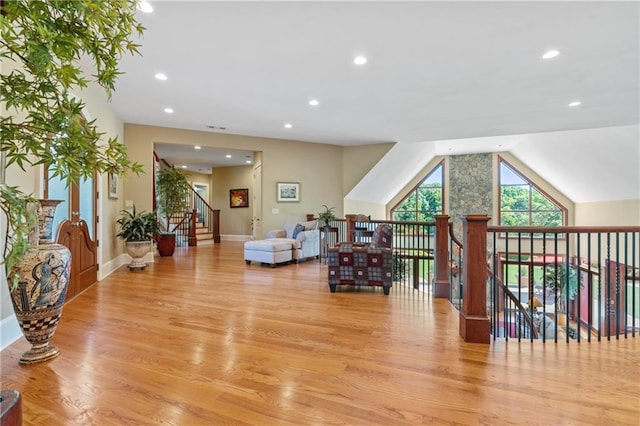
(288, 191)
(238, 198)
(113, 186)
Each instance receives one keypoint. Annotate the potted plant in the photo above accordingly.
(42, 121)
(173, 193)
(137, 229)
(327, 215)
(562, 281)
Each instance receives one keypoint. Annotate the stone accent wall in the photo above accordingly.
(470, 187)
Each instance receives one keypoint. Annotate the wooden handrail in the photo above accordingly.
(202, 199)
(453, 236)
(562, 229)
(527, 318)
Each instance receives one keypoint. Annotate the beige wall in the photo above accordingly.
(317, 167)
(357, 161)
(614, 213)
(236, 221)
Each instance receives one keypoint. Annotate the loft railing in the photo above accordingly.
(576, 283)
(552, 283)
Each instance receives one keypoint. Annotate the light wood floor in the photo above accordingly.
(203, 339)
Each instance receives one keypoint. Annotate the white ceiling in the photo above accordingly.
(437, 70)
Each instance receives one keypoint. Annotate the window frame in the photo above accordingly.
(532, 186)
(414, 192)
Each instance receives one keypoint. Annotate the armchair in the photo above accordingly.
(363, 264)
(304, 238)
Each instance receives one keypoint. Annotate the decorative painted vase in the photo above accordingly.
(46, 212)
(38, 299)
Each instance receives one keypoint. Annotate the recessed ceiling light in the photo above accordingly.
(144, 6)
(160, 76)
(228, 156)
(575, 104)
(550, 54)
(360, 60)
(288, 126)
(314, 102)
(168, 110)
(248, 161)
(197, 147)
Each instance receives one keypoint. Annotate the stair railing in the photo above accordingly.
(206, 215)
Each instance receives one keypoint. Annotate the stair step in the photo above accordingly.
(204, 236)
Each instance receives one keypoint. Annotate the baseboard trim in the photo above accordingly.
(235, 237)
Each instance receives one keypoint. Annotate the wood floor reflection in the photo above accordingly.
(203, 339)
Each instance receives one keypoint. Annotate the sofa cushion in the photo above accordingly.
(298, 229)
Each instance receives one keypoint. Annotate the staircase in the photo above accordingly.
(204, 236)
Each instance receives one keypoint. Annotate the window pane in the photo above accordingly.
(423, 202)
(86, 203)
(546, 218)
(514, 219)
(427, 216)
(508, 176)
(406, 216)
(429, 199)
(515, 198)
(540, 202)
(434, 178)
(409, 203)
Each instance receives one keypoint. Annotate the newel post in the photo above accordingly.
(475, 325)
(216, 226)
(351, 227)
(442, 285)
(192, 240)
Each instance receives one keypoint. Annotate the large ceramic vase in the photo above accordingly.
(137, 250)
(43, 278)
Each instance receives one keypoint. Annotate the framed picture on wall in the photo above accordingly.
(238, 198)
(288, 191)
(113, 186)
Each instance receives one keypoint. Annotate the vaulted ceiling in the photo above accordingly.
(435, 71)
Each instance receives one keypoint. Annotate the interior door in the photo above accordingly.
(75, 226)
(256, 222)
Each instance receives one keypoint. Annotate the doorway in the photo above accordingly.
(202, 189)
(74, 224)
(256, 222)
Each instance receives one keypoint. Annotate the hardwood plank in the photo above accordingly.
(202, 338)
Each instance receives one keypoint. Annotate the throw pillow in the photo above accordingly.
(310, 225)
(289, 227)
(298, 229)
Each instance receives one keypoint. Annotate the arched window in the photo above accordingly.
(423, 202)
(523, 203)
